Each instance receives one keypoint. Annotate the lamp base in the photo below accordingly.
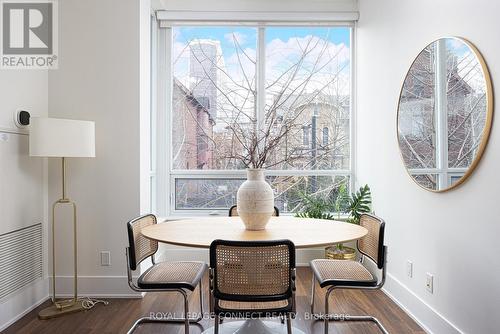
(54, 312)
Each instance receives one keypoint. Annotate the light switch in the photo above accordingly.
(106, 258)
(429, 282)
(409, 268)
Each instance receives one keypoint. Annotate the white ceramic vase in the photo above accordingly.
(255, 200)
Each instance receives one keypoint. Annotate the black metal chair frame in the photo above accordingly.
(354, 318)
(186, 319)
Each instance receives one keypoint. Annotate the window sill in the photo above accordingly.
(175, 217)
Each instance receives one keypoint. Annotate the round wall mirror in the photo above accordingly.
(445, 113)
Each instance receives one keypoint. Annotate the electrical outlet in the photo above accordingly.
(429, 282)
(106, 258)
(409, 268)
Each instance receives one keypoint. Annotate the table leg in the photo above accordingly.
(252, 326)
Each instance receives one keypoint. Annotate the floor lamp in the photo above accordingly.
(62, 138)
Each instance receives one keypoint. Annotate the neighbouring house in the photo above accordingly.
(192, 130)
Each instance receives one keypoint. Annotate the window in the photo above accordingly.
(325, 136)
(228, 82)
(305, 135)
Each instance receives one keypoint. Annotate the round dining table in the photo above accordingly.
(303, 232)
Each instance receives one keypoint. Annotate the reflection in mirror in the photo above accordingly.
(444, 114)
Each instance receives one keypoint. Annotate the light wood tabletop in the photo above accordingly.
(303, 232)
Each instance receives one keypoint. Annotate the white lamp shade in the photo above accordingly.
(54, 137)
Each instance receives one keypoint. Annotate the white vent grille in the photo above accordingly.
(20, 258)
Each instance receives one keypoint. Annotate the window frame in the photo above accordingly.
(166, 175)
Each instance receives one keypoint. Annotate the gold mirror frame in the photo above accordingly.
(487, 125)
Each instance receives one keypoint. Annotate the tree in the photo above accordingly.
(306, 92)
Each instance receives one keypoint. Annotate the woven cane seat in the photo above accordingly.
(237, 305)
(172, 275)
(341, 273)
(239, 308)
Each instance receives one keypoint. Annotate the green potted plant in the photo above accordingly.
(354, 205)
(359, 203)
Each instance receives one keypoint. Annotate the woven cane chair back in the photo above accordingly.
(140, 246)
(259, 269)
(372, 245)
(233, 211)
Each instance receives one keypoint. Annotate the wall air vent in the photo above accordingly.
(21, 258)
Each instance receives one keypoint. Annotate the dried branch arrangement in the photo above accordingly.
(257, 138)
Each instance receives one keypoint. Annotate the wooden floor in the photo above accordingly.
(120, 314)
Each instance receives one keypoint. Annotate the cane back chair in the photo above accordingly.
(350, 274)
(252, 279)
(177, 276)
(233, 211)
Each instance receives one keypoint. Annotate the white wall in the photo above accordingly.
(99, 79)
(453, 235)
(22, 90)
(145, 104)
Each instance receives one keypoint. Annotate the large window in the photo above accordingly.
(225, 83)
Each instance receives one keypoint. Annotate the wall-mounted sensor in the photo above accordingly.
(22, 118)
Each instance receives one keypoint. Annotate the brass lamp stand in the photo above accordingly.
(62, 307)
(63, 138)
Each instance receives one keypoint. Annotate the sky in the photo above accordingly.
(336, 35)
(284, 46)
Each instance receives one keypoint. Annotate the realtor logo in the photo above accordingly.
(28, 34)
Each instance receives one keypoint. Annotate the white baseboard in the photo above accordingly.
(96, 286)
(304, 256)
(21, 302)
(425, 315)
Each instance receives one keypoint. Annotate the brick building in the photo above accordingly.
(192, 131)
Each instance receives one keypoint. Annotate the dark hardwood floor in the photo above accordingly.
(120, 314)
